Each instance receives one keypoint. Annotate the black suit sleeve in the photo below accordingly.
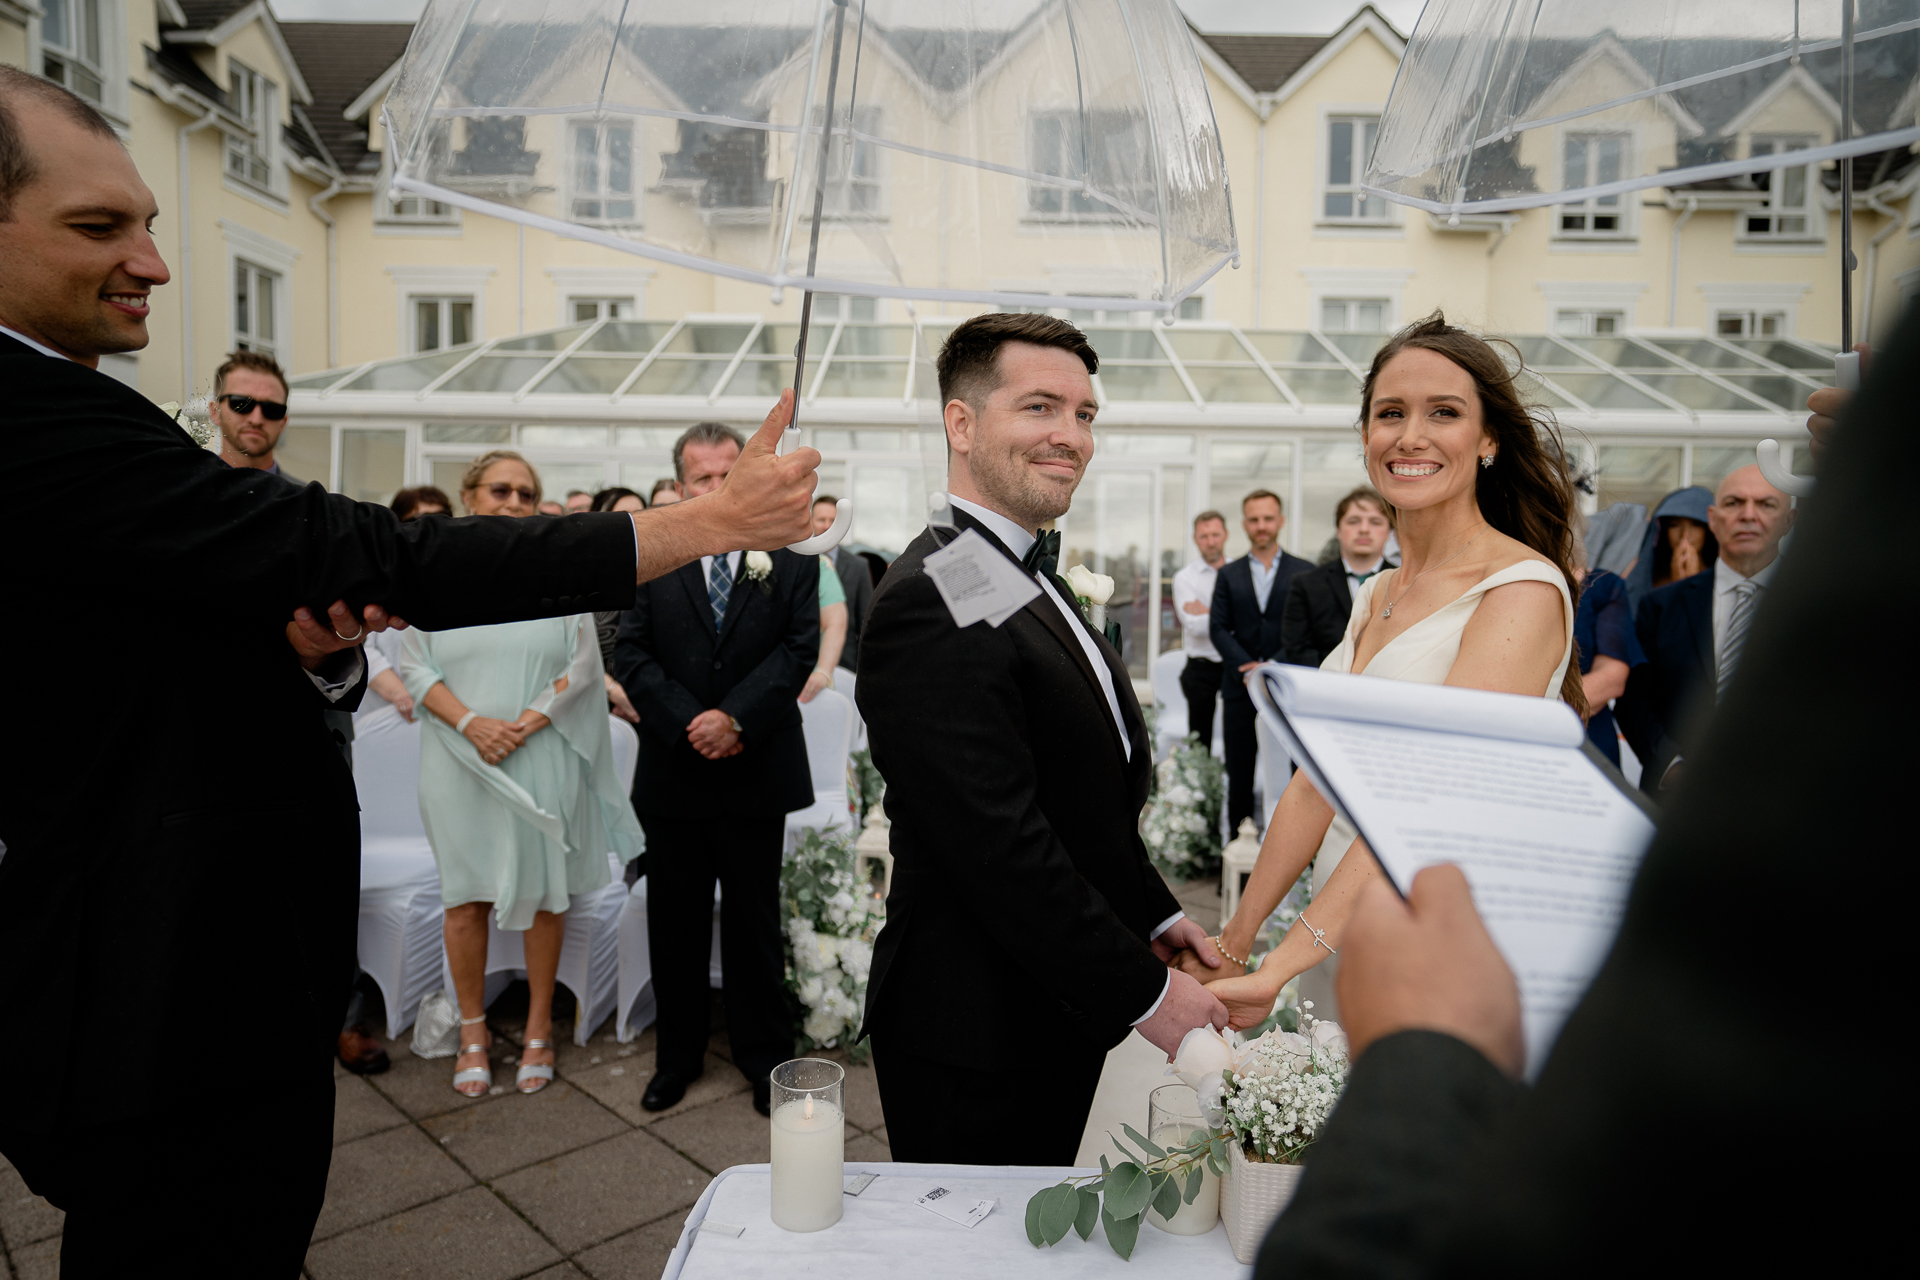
(665, 705)
(1233, 655)
(1637, 709)
(1296, 625)
(945, 712)
(765, 696)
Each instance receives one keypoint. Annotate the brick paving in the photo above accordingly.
(574, 1181)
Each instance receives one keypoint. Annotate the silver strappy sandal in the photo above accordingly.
(482, 1076)
(533, 1077)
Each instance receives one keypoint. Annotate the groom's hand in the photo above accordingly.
(1187, 1005)
(1185, 935)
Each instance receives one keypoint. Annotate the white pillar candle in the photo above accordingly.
(809, 1163)
(1194, 1219)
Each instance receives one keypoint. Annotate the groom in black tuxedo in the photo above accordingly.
(1024, 917)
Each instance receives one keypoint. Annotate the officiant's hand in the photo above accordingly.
(316, 639)
(1427, 964)
(1186, 1006)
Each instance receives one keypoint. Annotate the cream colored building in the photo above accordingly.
(1670, 331)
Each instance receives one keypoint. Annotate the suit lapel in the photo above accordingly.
(1342, 589)
(696, 584)
(1700, 618)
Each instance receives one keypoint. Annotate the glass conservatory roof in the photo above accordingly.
(709, 360)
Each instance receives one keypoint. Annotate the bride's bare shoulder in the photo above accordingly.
(1508, 552)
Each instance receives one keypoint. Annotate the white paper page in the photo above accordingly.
(1311, 691)
(977, 582)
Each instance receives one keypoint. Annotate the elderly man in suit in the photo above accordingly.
(135, 866)
(1693, 631)
(1249, 603)
(714, 658)
(1321, 601)
(1017, 763)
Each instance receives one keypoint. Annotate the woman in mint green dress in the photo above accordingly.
(517, 786)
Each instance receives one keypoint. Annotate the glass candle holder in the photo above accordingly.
(809, 1143)
(1174, 1119)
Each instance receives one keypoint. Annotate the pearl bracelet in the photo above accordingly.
(1221, 947)
(465, 720)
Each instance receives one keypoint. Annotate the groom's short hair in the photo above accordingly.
(969, 364)
(18, 88)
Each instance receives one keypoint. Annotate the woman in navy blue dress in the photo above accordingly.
(1608, 649)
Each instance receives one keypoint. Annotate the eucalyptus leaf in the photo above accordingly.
(1033, 1219)
(1219, 1167)
(1128, 1191)
(1121, 1232)
(1059, 1207)
(1156, 1152)
(1089, 1212)
(1166, 1201)
(1194, 1179)
(1104, 1166)
(1131, 1158)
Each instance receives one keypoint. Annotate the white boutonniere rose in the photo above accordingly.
(1094, 588)
(202, 432)
(758, 565)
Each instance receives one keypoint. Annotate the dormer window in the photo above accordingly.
(1787, 214)
(254, 98)
(1594, 160)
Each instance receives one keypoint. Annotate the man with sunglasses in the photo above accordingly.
(249, 407)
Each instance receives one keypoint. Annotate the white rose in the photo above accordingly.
(1095, 587)
(1329, 1039)
(1202, 1052)
(759, 564)
(823, 1025)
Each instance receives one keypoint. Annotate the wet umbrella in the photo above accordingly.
(1502, 105)
(1012, 153)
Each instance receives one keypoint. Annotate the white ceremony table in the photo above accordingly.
(884, 1234)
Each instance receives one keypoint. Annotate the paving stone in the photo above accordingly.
(565, 1271)
(384, 1174)
(868, 1148)
(862, 1095)
(470, 1235)
(720, 1134)
(359, 1109)
(637, 1255)
(515, 1130)
(593, 1194)
(42, 1261)
(619, 1082)
(423, 1087)
(25, 1218)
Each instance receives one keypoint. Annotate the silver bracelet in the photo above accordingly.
(465, 720)
(1319, 936)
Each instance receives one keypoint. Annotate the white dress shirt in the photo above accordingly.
(1725, 580)
(1018, 540)
(1357, 578)
(1195, 583)
(1263, 576)
(706, 566)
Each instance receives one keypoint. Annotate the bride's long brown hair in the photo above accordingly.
(1527, 493)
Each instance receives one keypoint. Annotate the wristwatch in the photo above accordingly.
(736, 725)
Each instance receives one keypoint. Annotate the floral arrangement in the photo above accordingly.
(831, 923)
(201, 429)
(1271, 1095)
(870, 786)
(1181, 826)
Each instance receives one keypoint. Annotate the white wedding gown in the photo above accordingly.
(1424, 653)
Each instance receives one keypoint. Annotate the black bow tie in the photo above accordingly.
(1043, 557)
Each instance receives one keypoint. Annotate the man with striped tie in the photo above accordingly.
(714, 656)
(1694, 630)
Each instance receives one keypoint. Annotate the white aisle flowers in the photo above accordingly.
(831, 923)
(1181, 825)
(1273, 1094)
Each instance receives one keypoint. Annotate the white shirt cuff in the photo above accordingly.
(1167, 924)
(334, 690)
(1155, 1008)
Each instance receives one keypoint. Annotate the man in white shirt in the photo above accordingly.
(1193, 605)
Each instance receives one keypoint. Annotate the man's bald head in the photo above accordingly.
(77, 261)
(1748, 519)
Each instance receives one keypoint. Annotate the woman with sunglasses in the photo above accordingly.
(517, 787)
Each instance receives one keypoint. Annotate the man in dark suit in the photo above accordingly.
(714, 657)
(138, 866)
(1693, 630)
(1437, 1163)
(1320, 601)
(1249, 602)
(1017, 762)
(856, 579)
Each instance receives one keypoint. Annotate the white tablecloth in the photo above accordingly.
(884, 1233)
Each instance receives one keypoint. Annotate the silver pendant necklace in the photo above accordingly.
(1424, 572)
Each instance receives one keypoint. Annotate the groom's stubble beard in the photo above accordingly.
(1003, 477)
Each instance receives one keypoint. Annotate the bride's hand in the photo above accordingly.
(1249, 999)
(1189, 963)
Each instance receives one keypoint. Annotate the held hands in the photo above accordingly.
(1187, 1005)
(1185, 941)
(317, 639)
(713, 736)
(766, 501)
(1428, 964)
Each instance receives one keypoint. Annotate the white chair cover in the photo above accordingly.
(637, 1007)
(589, 952)
(400, 945)
(1171, 727)
(1273, 769)
(829, 728)
(843, 684)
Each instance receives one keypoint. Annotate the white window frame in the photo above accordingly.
(1325, 186)
(387, 214)
(1753, 323)
(1325, 284)
(1746, 296)
(1621, 210)
(444, 321)
(831, 308)
(607, 306)
(84, 54)
(604, 132)
(1385, 304)
(273, 257)
(411, 281)
(248, 337)
(867, 119)
(1590, 322)
(110, 67)
(570, 283)
(257, 103)
(1812, 208)
(1039, 195)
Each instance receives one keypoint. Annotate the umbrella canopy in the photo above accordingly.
(1502, 105)
(1000, 152)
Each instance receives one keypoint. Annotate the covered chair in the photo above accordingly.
(401, 944)
(844, 682)
(589, 954)
(829, 721)
(1170, 727)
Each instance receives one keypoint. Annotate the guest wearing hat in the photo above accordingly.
(1676, 545)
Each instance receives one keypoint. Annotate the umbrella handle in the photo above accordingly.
(819, 543)
(1767, 454)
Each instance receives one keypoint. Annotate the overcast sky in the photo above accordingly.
(1278, 17)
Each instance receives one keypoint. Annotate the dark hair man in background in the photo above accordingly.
(1321, 601)
(249, 406)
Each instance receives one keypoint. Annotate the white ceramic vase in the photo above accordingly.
(1252, 1196)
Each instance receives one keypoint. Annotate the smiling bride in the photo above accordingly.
(1483, 598)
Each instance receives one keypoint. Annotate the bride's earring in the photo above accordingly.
(1486, 461)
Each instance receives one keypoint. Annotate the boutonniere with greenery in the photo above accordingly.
(1093, 590)
(758, 569)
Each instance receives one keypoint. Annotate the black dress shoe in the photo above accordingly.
(665, 1089)
(763, 1096)
(360, 1053)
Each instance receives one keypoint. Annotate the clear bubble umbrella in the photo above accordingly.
(1758, 105)
(1009, 153)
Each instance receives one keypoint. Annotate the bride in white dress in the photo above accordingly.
(1483, 598)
